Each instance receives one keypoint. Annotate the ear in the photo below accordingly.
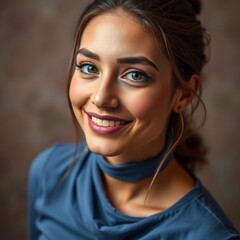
(186, 94)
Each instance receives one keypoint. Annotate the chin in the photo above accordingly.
(104, 149)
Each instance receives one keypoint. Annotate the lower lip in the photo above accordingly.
(105, 130)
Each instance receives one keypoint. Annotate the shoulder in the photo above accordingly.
(53, 155)
(209, 219)
(52, 163)
(197, 216)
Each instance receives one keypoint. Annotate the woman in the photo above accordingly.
(134, 81)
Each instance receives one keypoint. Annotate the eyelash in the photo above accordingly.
(144, 77)
(85, 64)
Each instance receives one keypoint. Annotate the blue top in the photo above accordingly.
(77, 208)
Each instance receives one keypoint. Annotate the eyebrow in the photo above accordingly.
(126, 60)
(85, 52)
(136, 60)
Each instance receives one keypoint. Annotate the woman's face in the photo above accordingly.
(121, 91)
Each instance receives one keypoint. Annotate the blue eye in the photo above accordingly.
(87, 68)
(136, 76)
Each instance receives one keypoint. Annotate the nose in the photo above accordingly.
(105, 94)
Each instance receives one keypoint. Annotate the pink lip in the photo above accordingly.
(110, 130)
(106, 117)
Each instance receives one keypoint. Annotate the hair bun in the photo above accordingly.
(197, 5)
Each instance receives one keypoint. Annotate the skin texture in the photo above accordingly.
(103, 84)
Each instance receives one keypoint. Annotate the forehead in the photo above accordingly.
(119, 31)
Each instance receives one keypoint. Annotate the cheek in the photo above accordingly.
(150, 103)
(76, 91)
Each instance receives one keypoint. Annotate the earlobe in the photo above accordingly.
(187, 93)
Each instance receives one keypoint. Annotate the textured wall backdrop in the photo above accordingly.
(35, 45)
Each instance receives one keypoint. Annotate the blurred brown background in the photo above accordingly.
(35, 44)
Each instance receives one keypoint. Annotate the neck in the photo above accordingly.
(168, 188)
(137, 171)
(129, 197)
(122, 191)
(126, 197)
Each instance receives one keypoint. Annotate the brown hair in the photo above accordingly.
(179, 34)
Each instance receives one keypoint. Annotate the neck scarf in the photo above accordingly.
(137, 171)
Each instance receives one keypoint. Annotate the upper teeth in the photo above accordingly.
(105, 123)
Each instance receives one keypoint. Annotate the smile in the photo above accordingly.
(106, 125)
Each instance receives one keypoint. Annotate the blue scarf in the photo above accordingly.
(137, 171)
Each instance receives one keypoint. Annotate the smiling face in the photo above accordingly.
(121, 91)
